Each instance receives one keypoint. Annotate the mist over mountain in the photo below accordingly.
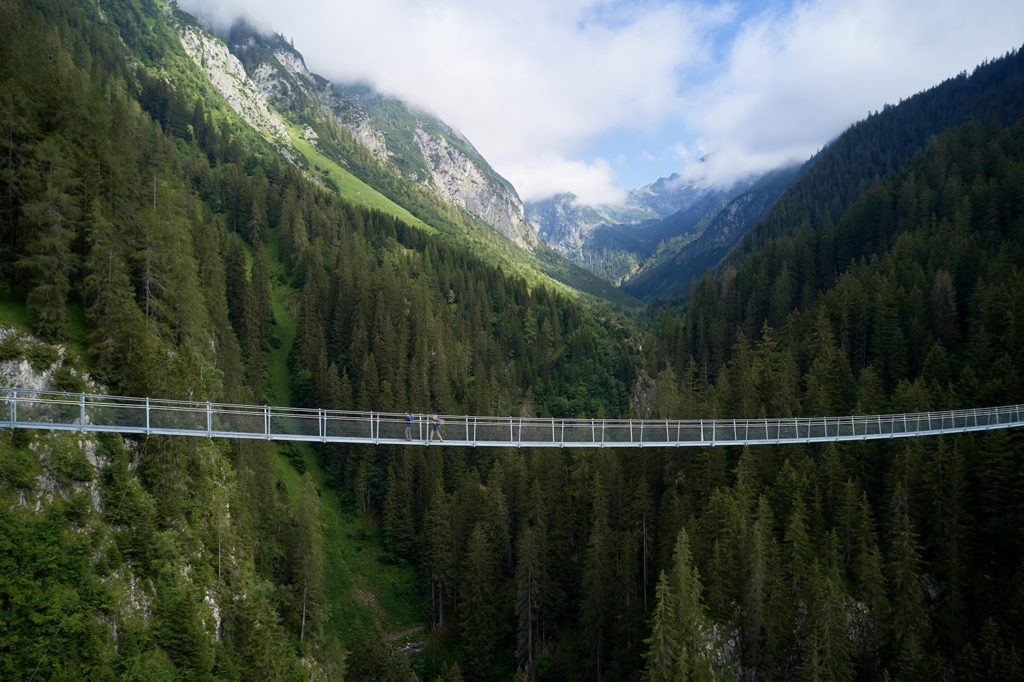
(397, 155)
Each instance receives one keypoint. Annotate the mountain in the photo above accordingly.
(698, 239)
(417, 146)
(377, 150)
(663, 235)
(566, 225)
(614, 241)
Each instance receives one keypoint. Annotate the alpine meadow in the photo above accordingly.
(191, 214)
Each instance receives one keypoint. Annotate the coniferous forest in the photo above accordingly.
(151, 243)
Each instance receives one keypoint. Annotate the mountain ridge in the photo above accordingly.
(415, 160)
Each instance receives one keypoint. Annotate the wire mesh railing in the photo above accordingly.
(52, 410)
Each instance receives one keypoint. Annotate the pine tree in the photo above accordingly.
(308, 562)
(480, 614)
(398, 523)
(909, 617)
(49, 216)
(693, 656)
(370, 659)
(110, 305)
(528, 598)
(439, 556)
(663, 643)
(826, 649)
(596, 593)
(759, 583)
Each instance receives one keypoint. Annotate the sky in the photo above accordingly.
(596, 97)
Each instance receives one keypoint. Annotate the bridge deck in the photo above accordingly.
(50, 410)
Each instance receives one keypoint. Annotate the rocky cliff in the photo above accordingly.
(229, 77)
(262, 75)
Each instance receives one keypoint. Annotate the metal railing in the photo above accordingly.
(51, 410)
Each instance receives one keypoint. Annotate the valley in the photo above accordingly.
(159, 238)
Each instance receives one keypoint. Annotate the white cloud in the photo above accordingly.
(592, 183)
(792, 82)
(523, 81)
(533, 83)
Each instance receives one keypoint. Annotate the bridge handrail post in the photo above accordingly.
(148, 427)
(602, 432)
(14, 407)
(520, 432)
(209, 419)
(81, 414)
(266, 422)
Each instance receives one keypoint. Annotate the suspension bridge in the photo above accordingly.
(86, 412)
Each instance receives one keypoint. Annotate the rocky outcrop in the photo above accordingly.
(461, 181)
(412, 144)
(228, 75)
(563, 223)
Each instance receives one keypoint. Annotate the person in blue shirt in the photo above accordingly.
(408, 426)
(435, 427)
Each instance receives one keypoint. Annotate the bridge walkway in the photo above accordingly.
(86, 412)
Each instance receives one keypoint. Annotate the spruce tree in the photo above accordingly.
(694, 654)
(664, 642)
(478, 608)
(528, 598)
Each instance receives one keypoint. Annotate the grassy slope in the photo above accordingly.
(357, 585)
(349, 186)
(543, 265)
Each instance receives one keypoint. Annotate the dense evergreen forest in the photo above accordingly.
(152, 244)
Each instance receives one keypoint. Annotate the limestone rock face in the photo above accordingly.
(458, 179)
(263, 75)
(228, 75)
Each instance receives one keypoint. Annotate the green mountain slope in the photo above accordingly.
(906, 303)
(146, 224)
(414, 163)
